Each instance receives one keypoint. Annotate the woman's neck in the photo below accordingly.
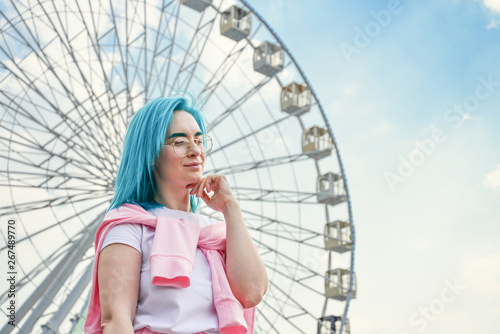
(175, 199)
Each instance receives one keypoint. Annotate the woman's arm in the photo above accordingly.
(119, 270)
(245, 270)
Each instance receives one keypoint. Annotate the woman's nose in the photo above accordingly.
(194, 149)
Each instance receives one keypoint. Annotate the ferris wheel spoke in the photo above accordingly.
(44, 295)
(277, 235)
(281, 313)
(66, 120)
(270, 162)
(285, 267)
(237, 103)
(50, 83)
(48, 228)
(11, 183)
(123, 58)
(264, 315)
(169, 59)
(98, 52)
(72, 54)
(252, 133)
(71, 298)
(220, 73)
(68, 142)
(51, 173)
(297, 233)
(42, 266)
(139, 43)
(283, 224)
(283, 298)
(288, 196)
(157, 52)
(47, 174)
(52, 203)
(35, 148)
(32, 275)
(190, 54)
(227, 64)
(43, 178)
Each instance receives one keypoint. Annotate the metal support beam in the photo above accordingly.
(76, 253)
(52, 327)
(53, 278)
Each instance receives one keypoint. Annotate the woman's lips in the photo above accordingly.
(194, 166)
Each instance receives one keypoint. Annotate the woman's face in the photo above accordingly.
(172, 169)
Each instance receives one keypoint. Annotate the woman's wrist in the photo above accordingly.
(229, 206)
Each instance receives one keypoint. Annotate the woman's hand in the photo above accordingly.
(222, 196)
(245, 270)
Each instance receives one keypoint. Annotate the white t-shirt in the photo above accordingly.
(167, 309)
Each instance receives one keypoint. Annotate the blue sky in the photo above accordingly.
(437, 226)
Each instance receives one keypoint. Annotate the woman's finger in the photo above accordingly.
(195, 188)
(205, 197)
(201, 187)
(211, 184)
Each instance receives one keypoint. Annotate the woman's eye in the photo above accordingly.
(180, 142)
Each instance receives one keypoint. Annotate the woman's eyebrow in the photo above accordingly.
(181, 134)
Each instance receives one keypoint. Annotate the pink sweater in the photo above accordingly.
(172, 259)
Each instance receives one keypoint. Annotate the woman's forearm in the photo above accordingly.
(123, 326)
(245, 270)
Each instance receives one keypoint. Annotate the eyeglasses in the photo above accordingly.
(182, 145)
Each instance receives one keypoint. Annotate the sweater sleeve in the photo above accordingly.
(128, 234)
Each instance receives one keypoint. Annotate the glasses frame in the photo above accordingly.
(189, 147)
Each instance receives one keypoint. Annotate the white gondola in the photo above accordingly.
(295, 99)
(235, 23)
(338, 236)
(330, 189)
(337, 284)
(198, 5)
(317, 142)
(268, 59)
(331, 324)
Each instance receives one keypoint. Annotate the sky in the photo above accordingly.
(412, 90)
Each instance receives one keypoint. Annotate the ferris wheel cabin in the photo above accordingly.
(317, 142)
(235, 23)
(268, 59)
(295, 99)
(337, 284)
(198, 5)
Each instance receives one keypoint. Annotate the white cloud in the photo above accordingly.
(492, 180)
(493, 5)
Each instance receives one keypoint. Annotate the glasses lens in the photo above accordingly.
(207, 144)
(181, 147)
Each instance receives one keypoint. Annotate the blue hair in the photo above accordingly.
(144, 139)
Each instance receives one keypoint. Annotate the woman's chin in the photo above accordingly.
(193, 180)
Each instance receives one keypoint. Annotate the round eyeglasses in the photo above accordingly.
(182, 145)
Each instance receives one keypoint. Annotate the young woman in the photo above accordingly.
(161, 175)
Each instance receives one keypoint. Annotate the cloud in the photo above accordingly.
(492, 180)
(493, 5)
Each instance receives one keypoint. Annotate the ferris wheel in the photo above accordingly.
(72, 75)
